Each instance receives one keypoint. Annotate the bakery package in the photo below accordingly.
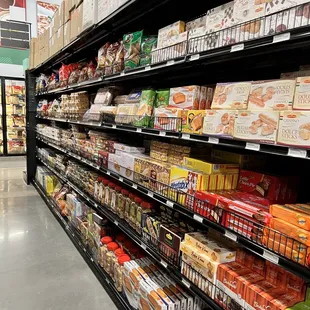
(185, 97)
(302, 94)
(294, 128)
(260, 126)
(167, 35)
(231, 96)
(168, 119)
(272, 95)
(219, 123)
(194, 121)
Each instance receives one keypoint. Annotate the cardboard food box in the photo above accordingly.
(114, 163)
(248, 10)
(231, 96)
(294, 128)
(193, 121)
(219, 123)
(90, 15)
(128, 149)
(283, 302)
(128, 165)
(215, 250)
(169, 119)
(186, 97)
(257, 126)
(272, 95)
(166, 35)
(302, 94)
(67, 34)
(145, 109)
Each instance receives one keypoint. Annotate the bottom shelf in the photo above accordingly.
(103, 278)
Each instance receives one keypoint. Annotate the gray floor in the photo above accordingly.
(40, 269)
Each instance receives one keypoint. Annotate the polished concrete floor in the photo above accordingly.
(40, 269)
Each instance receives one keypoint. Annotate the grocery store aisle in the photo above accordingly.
(39, 266)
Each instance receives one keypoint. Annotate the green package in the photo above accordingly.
(148, 43)
(145, 109)
(132, 46)
(162, 98)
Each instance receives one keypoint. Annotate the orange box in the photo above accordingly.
(295, 285)
(291, 216)
(290, 230)
(246, 280)
(275, 274)
(283, 302)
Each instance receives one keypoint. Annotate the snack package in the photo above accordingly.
(147, 45)
(186, 97)
(132, 47)
(110, 58)
(119, 59)
(272, 95)
(231, 96)
(102, 52)
(162, 98)
(145, 108)
(194, 121)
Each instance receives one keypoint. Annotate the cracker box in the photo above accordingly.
(302, 94)
(294, 128)
(272, 95)
(185, 97)
(166, 35)
(169, 119)
(231, 96)
(193, 121)
(216, 251)
(219, 123)
(260, 126)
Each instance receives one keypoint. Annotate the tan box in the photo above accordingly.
(73, 21)
(66, 12)
(231, 96)
(185, 97)
(79, 20)
(71, 6)
(294, 128)
(67, 32)
(60, 16)
(52, 45)
(60, 39)
(33, 47)
(275, 95)
(302, 94)
(260, 126)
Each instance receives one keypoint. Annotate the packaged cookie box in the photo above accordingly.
(209, 167)
(215, 250)
(127, 163)
(159, 154)
(167, 34)
(251, 261)
(302, 94)
(260, 126)
(198, 275)
(231, 96)
(219, 123)
(114, 163)
(169, 119)
(275, 95)
(185, 97)
(128, 148)
(192, 121)
(294, 128)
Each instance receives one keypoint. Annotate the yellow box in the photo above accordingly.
(209, 167)
(194, 121)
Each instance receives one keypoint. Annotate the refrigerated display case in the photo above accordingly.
(13, 118)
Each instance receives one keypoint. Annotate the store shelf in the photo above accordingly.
(103, 278)
(203, 222)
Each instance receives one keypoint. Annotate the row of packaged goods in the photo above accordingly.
(276, 111)
(231, 23)
(231, 276)
(223, 186)
(145, 285)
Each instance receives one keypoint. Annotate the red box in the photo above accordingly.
(103, 159)
(283, 302)
(246, 280)
(251, 261)
(295, 285)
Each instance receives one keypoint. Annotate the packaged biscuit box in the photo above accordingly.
(145, 109)
(169, 119)
(128, 148)
(166, 35)
(219, 123)
(275, 95)
(193, 121)
(302, 94)
(231, 96)
(294, 128)
(185, 97)
(247, 10)
(283, 302)
(257, 126)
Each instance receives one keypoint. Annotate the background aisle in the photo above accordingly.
(39, 266)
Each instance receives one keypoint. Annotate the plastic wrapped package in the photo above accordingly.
(110, 57)
(119, 59)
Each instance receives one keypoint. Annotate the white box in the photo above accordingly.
(245, 10)
(90, 17)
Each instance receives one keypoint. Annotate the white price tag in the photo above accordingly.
(122, 73)
(169, 203)
(186, 136)
(135, 186)
(147, 68)
(96, 206)
(91, 259)
(198, 218)
(108, 173)
(121, 179)
(139, 130)
(281, 37)
(114, 126)
(87, 198)
(230, 235)
(162, 133)
(164, 263)
(84, 249)
(150, 194)
(143, 246)
(214, 140)
(170, 63)
(237, 47)
(194, 57)
(116, 223)
(252, 146)
(271, 257)
(297, 153)
(186, 283)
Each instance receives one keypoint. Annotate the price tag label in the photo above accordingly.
(214, 140)
(114, 126)
(143, 246)
(170, 62)
(281, 37)
(96, 206)
(147, 68)
(150, 194)
(198, 218)
(162, 133)
(84, 249)
(252, 146)
(135, 186)
(194, 57)
(164, 263)
(139, 130)
(122, 73)
(116, 223)
(271, 257)
(237, 47)
(169, 203)
(230, 235)
(186, 136)
(108, 173)
(297, 153)
(91, 259)
(121, 179)
(186, 283)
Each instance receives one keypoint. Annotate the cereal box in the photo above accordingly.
(231, 96)
(185, 97)
(257, 126)
(272, 95)
(219, 123)
(302, 94)
(294, 128)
